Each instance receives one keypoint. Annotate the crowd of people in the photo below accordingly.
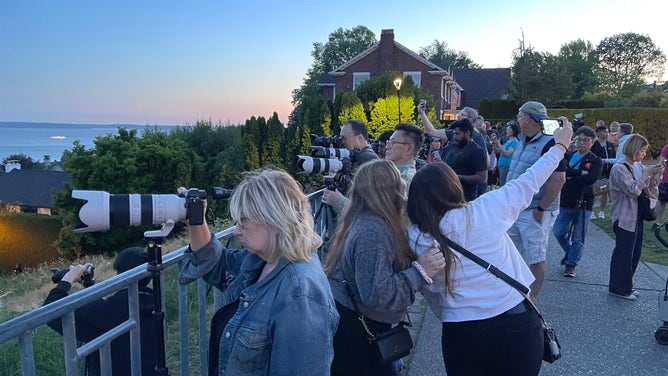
(285, 311)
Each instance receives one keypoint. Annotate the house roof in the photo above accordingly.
(328, 78)
(484, 83)
(30, 187)
(376, 46)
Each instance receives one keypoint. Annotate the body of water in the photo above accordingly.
(39, 139)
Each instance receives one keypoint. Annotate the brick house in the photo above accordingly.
(388, 55)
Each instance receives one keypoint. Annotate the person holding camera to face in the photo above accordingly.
(278, 315)
(354, 135)
(99, 317)
(531, 231)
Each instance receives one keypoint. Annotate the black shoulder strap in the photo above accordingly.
(499, 274)
(489, 267)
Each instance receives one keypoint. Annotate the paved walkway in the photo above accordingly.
(599, 334)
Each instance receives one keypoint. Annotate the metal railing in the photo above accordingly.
(22, 327)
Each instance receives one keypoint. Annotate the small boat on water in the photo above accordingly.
(57, 137)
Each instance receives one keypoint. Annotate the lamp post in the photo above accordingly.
(397, 84)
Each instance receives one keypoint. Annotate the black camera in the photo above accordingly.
(332, 141)
(87, 278)
(102, 210)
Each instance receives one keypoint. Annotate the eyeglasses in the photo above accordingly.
(242, 224)
(391, 141)
(583, 140)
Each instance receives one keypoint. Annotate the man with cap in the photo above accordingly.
(99, 317)
(531, 231)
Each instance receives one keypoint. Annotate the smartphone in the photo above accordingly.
(548, 126)
(423, 103)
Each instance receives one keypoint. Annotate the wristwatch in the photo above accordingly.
(540, 209)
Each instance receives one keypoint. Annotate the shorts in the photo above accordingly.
(663, 192)
(530, 237)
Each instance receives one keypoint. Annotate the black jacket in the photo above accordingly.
(604, 153)
(100, 316)
(578, 185)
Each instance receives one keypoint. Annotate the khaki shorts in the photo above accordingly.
(530, 237)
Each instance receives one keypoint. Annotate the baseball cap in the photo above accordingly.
(534, 109)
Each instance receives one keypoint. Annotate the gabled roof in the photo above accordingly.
(376, 46)
(484, 83)
(31, 188)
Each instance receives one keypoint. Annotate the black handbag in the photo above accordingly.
(645, 211)
(388, 346)
(551, 345)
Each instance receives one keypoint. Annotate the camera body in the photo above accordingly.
(324, 141)
(87, 278)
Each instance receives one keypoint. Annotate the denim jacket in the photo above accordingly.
(285, 323)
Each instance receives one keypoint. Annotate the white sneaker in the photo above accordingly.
(593, 216)
(601, 214)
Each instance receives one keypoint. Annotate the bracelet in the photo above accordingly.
(422, 272)
(564, 146)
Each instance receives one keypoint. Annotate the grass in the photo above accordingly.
(652, 250)
(23, 292)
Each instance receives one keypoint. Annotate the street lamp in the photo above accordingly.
(397, 84)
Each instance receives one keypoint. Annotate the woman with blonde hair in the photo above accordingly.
(371, 269)
(628, 179)
(278, 316)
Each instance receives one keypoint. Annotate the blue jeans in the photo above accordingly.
(570, 229)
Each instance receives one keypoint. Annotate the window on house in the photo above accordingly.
(359, 77)
(416, 76)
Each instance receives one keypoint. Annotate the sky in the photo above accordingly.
(177, 62)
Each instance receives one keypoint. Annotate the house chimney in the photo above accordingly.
(12, 165)
(386, 49)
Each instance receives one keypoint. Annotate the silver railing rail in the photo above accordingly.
(22, 327)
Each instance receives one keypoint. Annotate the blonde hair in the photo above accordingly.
(633, 145)
(273, 197)
(376, 188)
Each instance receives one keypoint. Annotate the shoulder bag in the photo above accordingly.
(388, 346)
(551, 345)
(645, 210)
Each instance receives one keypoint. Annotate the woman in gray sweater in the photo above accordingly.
(371, 267)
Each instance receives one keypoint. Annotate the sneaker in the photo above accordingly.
(601, 214)
(628, 296)
(593, 216)
(569, 271)
(635, 292)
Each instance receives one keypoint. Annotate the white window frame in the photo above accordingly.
(359, 77)
(416, 76)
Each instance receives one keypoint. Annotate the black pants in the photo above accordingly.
(625, 258)
(508, 344)
(352, 352)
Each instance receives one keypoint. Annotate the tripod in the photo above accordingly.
(154, 248)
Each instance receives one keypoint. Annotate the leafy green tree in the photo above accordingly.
(310, 107)
(351, 108)
(539, 76)
(271, 144)
(156, 163)
(580, 60)
(445, 57)
(626, 61)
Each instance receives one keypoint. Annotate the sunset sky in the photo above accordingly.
(174, 62)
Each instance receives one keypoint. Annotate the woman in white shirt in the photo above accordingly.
(488, 328)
